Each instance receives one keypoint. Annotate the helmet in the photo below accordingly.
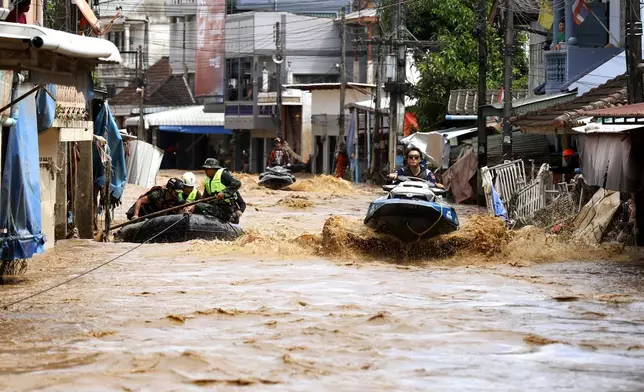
(211, 163)
(189, 179)
(568, 152)
(277, 140)
(175, 183)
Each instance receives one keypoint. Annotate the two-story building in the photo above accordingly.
(134, 24)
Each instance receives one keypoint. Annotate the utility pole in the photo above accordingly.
(343, 77)
(376, 125)
(634, 51)
(508, 54)
(278, 59)
(482, 87)
(141, 90)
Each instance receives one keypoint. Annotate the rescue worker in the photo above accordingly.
(190, 191)
(413, 168)
(240, 208)
(221, 183)
(157, 198)
(278, 155)
(570, 165)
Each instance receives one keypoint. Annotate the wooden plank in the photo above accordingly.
(60, 207)
(84, 192)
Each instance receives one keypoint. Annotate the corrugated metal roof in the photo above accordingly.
(526, 105)
(384, 104)
(453, 133)
(607, 128)
(188, 116)
(465, 101)
(635, 110)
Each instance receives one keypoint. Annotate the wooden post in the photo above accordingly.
(84, 191)
(60, 208)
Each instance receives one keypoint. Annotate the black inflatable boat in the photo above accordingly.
(191, 227)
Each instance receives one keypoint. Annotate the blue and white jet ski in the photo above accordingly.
(276, 177)
(411, 211)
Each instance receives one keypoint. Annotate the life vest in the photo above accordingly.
(214, 185)
(192, 196)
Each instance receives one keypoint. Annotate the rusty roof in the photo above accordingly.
(565, 115)
(635, 110)
(465, 101)
(162, 89)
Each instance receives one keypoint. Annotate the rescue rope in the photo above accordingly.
(422, 233)
(5, 307)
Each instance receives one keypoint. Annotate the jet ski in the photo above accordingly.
(276, 177)
(411, 211)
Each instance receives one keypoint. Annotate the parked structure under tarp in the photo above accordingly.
(21, 233)
(106, 127)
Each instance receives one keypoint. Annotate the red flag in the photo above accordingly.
(410, 123)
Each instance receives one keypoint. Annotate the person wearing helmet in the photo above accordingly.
(222, 184)
(278, 155)
(158, 198)
(190, 192)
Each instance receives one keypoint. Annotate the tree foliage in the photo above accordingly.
(455, 64)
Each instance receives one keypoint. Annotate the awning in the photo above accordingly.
(87, 12)
(196, 130)
(19, 37)
(187, 116)
(607, 128)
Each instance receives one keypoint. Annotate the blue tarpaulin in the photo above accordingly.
(21, 233)
(46, 107)
(198, 130)
(105, 126)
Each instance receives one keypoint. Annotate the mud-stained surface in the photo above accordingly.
(309, 299)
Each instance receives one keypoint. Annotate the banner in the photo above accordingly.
(210, 53)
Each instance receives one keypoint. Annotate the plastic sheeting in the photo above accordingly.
(608, 161)
(46, 108)
(105, 126)
(21, 233)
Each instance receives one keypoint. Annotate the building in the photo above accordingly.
(134, 24)
(39, 132)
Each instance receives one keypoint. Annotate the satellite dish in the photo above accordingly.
(278, 58)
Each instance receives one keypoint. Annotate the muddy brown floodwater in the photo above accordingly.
(308, 300)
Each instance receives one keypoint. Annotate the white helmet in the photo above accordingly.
(189, 179)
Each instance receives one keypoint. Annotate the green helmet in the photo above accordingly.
(211, 163)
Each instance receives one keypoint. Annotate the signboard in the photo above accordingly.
(210, 54)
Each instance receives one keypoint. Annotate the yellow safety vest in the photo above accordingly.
(214, 185)
(192, 196)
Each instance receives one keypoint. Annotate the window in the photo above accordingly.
(308, 79)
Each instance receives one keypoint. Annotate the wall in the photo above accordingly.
(328, 101)
(48, 149)
(307, 130)
(176, 45)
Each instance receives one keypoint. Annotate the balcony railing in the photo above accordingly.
(571, 63)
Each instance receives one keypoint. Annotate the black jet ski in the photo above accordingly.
(276, 177)
(192, 227)
(411, 211)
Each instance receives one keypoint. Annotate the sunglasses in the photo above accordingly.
(414, 157)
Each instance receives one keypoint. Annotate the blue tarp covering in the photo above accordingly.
(105, 126)
(198, 130)
(46, 107)
(20, 213)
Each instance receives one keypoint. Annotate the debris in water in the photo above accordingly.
(177, 318)
(540, 340)
(324, 183)
(566, 298)
(100, 334)
(296, 201)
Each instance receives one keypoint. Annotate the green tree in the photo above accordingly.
(455, 64)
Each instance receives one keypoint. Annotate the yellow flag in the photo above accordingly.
(546, 16)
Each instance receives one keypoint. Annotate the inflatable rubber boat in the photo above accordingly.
(191, 227)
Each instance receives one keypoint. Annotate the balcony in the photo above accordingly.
(240, 114)
(180, 8)
(566, 65)
(119, 72)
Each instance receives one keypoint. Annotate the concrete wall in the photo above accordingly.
(328, 101)
(307, 127)
(48, 149)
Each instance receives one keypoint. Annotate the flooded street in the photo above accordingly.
(293, 307)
